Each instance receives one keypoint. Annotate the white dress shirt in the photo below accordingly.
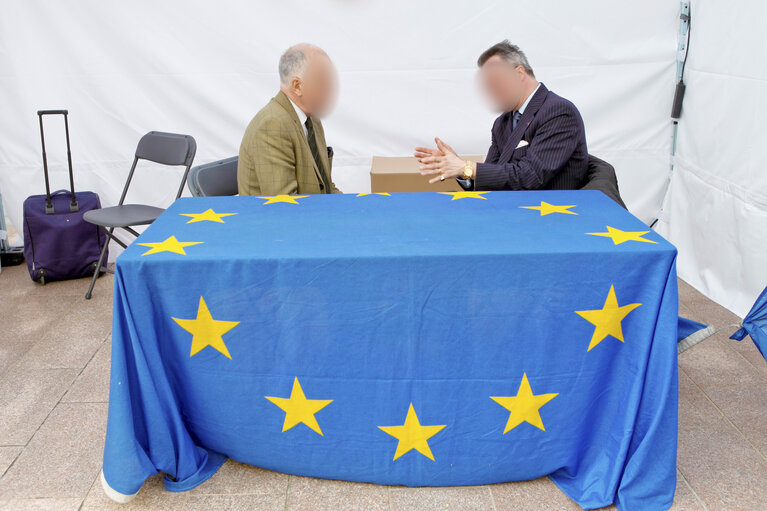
(301, 117)
(524, 105)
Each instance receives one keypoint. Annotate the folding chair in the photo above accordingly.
(217, 178)
(163, 148)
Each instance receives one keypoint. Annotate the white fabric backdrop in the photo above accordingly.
(407, 73)
(716, 209)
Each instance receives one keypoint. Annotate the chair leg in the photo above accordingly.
(97, 270)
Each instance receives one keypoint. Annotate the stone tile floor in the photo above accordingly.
(54, 372)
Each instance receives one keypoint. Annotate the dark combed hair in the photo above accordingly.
(508, 52)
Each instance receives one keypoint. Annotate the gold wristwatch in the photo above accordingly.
(468, 170)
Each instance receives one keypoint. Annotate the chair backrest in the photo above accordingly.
(165, 149)
(601, 176)
(216, 178)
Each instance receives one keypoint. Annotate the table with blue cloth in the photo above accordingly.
(419, 339)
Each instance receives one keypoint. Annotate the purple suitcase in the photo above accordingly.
(58, 243)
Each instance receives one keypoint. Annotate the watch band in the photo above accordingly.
(468, 170)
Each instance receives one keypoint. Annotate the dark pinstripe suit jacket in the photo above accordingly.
(555, 158)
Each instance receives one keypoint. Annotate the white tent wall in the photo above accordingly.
(407, 73)
(716, 208)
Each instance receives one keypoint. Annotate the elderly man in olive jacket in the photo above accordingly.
(283, 150)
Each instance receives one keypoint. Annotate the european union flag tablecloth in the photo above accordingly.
(421, 339)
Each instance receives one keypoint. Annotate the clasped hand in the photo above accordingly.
(441, 162)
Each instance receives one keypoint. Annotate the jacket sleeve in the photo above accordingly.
(494, 152)
(548, 151)
(492, 156)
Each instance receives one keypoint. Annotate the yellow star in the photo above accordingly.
(524, 407)
(546, 209)
(271, 199)
(607, 320)
(209, 215)
(298, 409)
(372, 193)
(169, 245)
(465, 195)
(412, 435)
(206, 331)
(619, 236)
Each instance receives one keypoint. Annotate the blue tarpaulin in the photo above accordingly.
(421, 339)
(755, 325)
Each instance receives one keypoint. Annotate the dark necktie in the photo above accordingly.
(515, 119)
(315, 153)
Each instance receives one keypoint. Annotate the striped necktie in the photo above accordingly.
(315, 153)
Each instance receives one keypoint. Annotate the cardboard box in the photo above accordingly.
(401, 174)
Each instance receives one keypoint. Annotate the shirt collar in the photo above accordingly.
(524, 105)
(300, 113)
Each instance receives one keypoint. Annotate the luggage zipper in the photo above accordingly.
(31, 242)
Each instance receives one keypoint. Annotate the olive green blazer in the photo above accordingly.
(275, 157)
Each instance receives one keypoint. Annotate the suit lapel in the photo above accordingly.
(283, 100)
(527, 116)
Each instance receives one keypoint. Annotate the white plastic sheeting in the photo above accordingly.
(407, 73)
(716, 209)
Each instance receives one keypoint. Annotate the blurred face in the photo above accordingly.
(503, 83)
(318, 88)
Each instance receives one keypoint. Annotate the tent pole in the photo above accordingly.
(683, 43)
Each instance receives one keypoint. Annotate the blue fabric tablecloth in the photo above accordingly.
(422, 339)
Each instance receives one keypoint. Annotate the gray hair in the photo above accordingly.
(293, 61)
(508, 52)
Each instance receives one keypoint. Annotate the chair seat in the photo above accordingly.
(125, 215)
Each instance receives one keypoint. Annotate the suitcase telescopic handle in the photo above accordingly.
(73, 206)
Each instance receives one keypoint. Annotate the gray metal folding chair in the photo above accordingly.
(163, 148)
(217, 178)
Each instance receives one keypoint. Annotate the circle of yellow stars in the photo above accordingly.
(411, 435)
(524, 407)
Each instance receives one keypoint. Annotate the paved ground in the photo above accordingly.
(54, 372)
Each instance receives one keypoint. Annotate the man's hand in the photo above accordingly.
(441, 162)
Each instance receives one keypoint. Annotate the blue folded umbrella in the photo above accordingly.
(691, 333)
(755, 325)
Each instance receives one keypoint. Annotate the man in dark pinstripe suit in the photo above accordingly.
(538, 143)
